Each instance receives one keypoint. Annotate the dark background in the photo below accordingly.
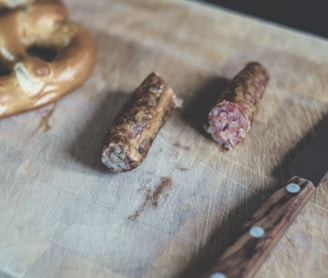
(306, 15)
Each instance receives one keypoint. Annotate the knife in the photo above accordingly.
(268, 224)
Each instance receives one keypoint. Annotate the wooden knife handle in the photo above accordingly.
(262, 232)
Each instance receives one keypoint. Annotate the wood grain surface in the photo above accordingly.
(63, 214)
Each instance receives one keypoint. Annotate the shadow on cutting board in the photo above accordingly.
(197, 109)
(86, 149)
(228, 230)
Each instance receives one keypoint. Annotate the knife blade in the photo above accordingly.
(268, 224)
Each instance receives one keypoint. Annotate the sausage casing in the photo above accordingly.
(136, 126)
(231, 118)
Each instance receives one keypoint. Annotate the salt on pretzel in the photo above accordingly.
(30, 81)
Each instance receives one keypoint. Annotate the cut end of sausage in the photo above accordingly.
(119, 158)
(227, 124)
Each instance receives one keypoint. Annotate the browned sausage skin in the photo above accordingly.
(231, 118)
(135, 128)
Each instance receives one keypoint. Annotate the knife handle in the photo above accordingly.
(261, 233)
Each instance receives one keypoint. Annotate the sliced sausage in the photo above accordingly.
(231, 118)
(135, 128)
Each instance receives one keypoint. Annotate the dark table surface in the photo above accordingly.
(306, 15)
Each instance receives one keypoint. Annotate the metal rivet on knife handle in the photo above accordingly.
(257, 232)
(293, 188)
(218, 275)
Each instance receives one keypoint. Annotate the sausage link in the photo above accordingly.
(134, 129)
(231, 118)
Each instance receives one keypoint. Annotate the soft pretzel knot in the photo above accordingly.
(27, 81)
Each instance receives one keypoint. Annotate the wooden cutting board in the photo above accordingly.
(63, 215)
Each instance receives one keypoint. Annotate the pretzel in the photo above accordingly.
(28, 82)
